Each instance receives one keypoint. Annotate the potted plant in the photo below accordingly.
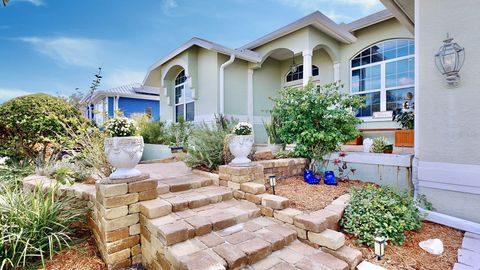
(241, 143)
(405, 137)
(180, 132)
(122, 148)
(274, 141)
(381, 145)
(157, 141)
(317, 120)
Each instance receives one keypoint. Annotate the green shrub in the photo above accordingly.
(35, 127)
(90, 154)
(34, 225)
(156, 133)
(380, 211)
(316, 119)
(206, 144)
(13, 174)
(379, 144)
(180, 131)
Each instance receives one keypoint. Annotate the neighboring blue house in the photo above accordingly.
(129, 99)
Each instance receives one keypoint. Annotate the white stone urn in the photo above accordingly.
(124, 153)
(240, 147)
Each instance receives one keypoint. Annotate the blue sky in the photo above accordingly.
(55, 46)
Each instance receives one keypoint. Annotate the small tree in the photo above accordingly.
(317, 119)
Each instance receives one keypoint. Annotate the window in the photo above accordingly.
(148, 112)
(184, 104)
(383, 74)
(298, 74)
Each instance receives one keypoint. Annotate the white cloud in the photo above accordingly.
(168, 5)
(314, 5)
(122, 76)
(33, 2)
(81, 52)
(9, 93)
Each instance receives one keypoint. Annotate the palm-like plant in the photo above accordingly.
(5, 2)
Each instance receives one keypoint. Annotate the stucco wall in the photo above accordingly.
(235, 86)
(448, 118)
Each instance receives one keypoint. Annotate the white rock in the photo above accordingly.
(432, 246)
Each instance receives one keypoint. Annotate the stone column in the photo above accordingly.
(307, 66)
(115, 219)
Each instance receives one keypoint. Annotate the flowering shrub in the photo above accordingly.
(121, 127)
(379, 144)
(242, 128)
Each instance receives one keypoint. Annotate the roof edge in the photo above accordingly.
(369, 20)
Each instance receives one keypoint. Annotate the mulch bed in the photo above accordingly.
(410, 256)
(311, 197)
(407, 257)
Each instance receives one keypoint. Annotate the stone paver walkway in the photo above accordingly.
(469, 253)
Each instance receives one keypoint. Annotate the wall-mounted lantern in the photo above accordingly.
(273, 183)
(293, 66)
(449, 60)
(379, 247)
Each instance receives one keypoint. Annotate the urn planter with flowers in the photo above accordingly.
(123, 149)
(241, 144)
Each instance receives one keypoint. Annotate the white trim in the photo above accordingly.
(449, 176)
(454, 222)
(369, 20)
(176, 62)
(400, 14)
(374, 158)
(307, 66)
(316, 19)
(250, 95)
(246, 55)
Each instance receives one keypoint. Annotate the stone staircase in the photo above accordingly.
(195, 224)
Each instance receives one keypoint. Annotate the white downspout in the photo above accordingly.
(222, 82)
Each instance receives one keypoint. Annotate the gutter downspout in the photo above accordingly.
(222, 82)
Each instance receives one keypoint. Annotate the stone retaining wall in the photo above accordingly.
(282, 168)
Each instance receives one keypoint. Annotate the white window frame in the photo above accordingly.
(184, 103)
(299, 82)
(383, 89)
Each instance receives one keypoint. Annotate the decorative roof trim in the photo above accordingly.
(317, 19)
(368, 20)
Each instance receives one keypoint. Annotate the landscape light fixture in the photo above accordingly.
(379, 247)
(273, 183)
(449, 60)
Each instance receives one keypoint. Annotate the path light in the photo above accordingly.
(273, 183)
(449, 60)
(379, 247)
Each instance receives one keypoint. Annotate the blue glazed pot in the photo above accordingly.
(330, 178)
(309, 177)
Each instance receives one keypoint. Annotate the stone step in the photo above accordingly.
(181, 226)
(183, 183)
(183, 200)
(233, 247)
(298, 255)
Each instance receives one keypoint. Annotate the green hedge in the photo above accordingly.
(380, 211)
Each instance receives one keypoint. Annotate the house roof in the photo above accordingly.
(135, 90)
(368, 20)
(403, 10)
(242, 54)
(315, 19)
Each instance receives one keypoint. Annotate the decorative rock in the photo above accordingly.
(369, 266)
(253, 188)
(432, 246)
(274, 201)
(286, 215)
(328, 238)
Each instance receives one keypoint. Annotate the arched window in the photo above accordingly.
(383, 73)
(298, 74)
(184, 104)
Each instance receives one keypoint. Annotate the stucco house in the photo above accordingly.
(373, 57)
(129, 99)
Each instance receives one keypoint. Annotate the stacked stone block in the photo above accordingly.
(282, 168)
(115, 219)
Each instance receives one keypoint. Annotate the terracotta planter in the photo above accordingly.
(404, 138)
(357, 141)
(124, 153)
